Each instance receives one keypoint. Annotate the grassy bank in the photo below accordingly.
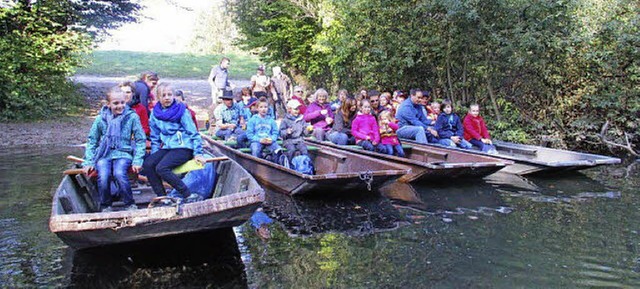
(180, 65)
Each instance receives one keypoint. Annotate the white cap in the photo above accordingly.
(294, 103)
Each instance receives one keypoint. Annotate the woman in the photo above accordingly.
(319, 114)
(174, 141)
(340, 132)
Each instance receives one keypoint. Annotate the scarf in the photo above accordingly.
(173, 113)
(111, 139)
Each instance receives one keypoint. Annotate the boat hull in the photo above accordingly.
(337, 172)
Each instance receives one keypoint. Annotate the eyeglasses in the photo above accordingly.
(373, 100)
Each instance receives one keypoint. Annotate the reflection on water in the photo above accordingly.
(195, 260)
(505, 231)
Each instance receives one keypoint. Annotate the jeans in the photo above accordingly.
(117, 168)
(412, 132)
(487, 148)
(241, 136)
(293, 147)
(256, 148)
(367, 145)
(158, 166)
(389, 148)
(448, 142)
(338, 138)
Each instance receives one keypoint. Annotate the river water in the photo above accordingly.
(580, 230)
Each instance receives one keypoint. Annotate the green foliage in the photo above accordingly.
(562, 67)
(175, 65)
(41, 43)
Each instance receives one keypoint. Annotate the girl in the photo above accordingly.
(340, 132)
(475, 130)
(449, 127)
(319, 114)
(388, 138)
(343, 94)
(174, 141)
(110, 151)
(365, 128)
(385, 102)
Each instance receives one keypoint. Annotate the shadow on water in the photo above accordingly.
(356, 213)
(210, 259)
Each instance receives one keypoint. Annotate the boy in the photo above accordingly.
(293, 128)
(262, 131)
(449, 127)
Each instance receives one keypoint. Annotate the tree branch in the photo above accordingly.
(628, 147)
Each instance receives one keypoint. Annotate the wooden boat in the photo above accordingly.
(429, 163)
(76, 220)
(336, 171)
(530, 159)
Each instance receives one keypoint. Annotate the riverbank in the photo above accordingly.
(73, 130)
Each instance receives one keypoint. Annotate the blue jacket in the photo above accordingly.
(131, 129)
(411, 114)
(449, 125)
(247, 114)
(259, 127)
(173, 135)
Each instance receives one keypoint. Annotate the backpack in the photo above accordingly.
(302, 164)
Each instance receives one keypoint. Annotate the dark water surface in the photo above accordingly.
(580, 230)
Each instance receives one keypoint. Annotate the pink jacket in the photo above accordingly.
(365, 125)
(389, 136)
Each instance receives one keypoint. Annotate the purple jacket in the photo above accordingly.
(315, 118)
(365, 125)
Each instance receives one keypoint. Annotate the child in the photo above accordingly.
(110, 151)
(174, 141)
(292, 129)
(251, 109)
(365, 128)
(433, 113)
(343, 94)
(449, 128)
(385, 102)
(181, 98)
(128, 89)
(475, 130)
(388, 137)
(262, 130)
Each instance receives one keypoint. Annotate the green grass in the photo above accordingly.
(179, 65)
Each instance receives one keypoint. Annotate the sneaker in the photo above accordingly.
(131, 207)
(165, 203)
(108, 209)
(193, 198)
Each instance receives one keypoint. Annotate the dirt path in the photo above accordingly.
(73, 131)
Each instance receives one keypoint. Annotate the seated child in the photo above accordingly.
(262, 130)
(433, 111)
(128, 88)
(181, 98)
(228, 120)
(365, 128)
(251, 109)
(110, 150)
(449, 128)
(475, 130)
(388, 138)
(293, 128)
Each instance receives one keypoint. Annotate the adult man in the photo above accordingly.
(374, 100)
(282, 87)
(219, 80)
(228, 119)
(413, 123)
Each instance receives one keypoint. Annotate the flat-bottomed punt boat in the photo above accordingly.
(432, 163)
(76, 219)
(530, 159)
(335, 171)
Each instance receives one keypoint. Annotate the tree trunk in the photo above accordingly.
(493, 99)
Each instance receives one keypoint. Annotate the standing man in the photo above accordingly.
(219, 81)
(283, 88)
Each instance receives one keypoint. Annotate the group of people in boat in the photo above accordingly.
(134, 114)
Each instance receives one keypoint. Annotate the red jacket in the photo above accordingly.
(474, 128)
(142, 112)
